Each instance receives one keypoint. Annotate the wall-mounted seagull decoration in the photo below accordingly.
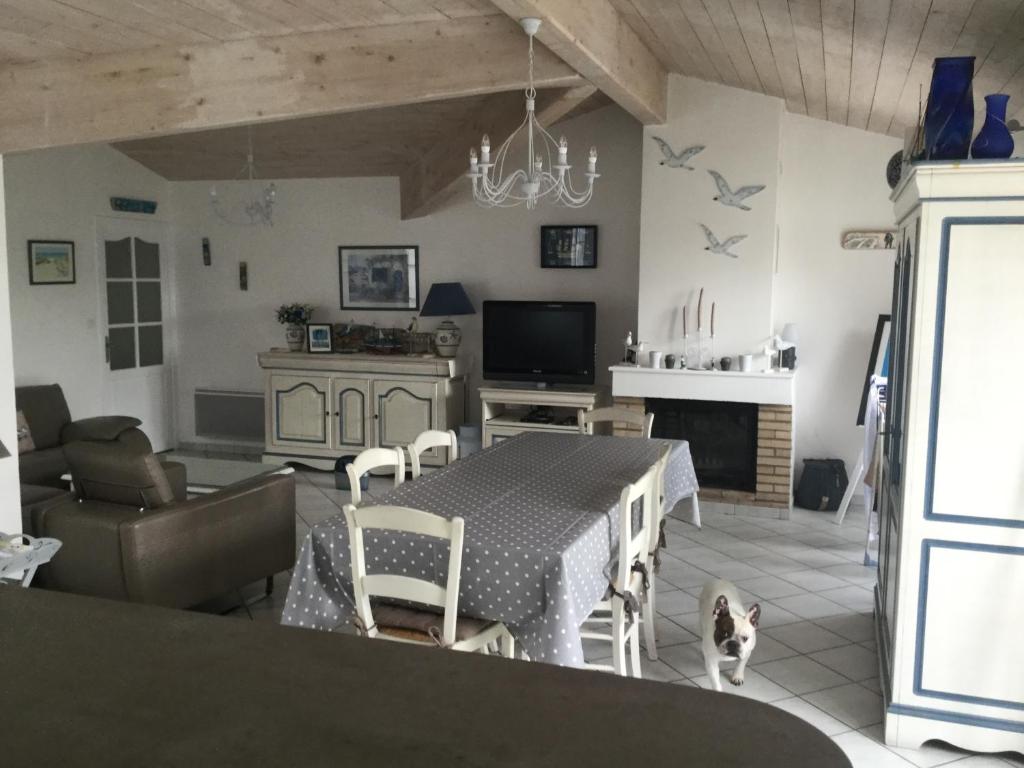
(674, 160)
(723, 248)
(735, 199)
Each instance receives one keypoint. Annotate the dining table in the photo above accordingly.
(541, 515)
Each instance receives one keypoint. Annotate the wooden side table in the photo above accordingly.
(21, 554)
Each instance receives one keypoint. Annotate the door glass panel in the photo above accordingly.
(122, 348)
(149, 301)
(151, 345)
(147, 259)
(119, 258)
(120, 303)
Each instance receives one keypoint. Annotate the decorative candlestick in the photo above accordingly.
(712, 364)
(700, 310)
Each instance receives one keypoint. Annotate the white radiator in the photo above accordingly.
(229, 414)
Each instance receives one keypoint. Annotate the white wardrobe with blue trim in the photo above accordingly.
(950, 594)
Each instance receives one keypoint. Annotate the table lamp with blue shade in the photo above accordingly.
(445, 300)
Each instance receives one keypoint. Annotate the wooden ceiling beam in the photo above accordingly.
(175, 89)
(597, 42)
(431, 180)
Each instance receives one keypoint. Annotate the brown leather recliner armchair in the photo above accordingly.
(127, 537)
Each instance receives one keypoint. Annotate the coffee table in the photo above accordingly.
(208, 475)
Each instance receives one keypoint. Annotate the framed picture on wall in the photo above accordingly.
(379, 276)
(319, 337)
(51, 262)
(568, 247)
(878, 361)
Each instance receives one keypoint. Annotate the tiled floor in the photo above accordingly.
(815, 655)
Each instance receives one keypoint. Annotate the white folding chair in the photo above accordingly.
(622, 606)
(413, 625)
(432, 438)
(374, 458)
(642, 420)
(647, 607)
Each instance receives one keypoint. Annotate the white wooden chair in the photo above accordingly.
(412, 625)
(648, 610)
(432, 438)
(374, 458)
(622, 607)
(642, 420)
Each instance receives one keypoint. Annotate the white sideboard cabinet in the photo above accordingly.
(322, 406)
(949, 603)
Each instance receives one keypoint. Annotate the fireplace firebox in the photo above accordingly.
(722, 437)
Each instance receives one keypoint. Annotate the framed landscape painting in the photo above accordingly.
(379, 276)
(51, 262)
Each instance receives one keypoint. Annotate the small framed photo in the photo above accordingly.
(318, 337)
(379, 276)
(51, 262)
(568, 247)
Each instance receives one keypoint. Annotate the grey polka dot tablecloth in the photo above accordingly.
(541, 514)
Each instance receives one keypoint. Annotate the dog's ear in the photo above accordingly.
(754, 615)
(721, 607)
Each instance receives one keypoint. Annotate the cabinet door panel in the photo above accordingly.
(299, 410)
(350, 411)
(402, 410)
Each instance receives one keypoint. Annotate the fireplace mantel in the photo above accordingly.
(761, 387)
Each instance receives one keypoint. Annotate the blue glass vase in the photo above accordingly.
(949, 118)
(994, 140)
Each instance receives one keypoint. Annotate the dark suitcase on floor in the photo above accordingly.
(822, 485)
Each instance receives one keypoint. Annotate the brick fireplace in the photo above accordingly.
(764, 480)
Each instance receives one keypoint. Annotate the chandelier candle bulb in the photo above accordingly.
(485, 150)
(592, 161)
(563, 151)
(472, 161)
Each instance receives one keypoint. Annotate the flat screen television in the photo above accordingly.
(551, 342)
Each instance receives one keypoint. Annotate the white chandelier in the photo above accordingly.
(257, 210)
(493, 189)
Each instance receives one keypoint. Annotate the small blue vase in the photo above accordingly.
(994, 140)
(949, 118)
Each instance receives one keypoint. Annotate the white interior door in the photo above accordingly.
(135, 303)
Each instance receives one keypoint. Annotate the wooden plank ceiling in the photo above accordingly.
(861, 63)
(855, 62)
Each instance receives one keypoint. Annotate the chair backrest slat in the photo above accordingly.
(644, 421)
(633, 544)
(403, 587)
(374, 458)
(432, 438)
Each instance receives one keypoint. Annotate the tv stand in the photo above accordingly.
(508, 409)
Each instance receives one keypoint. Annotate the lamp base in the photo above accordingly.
(447, 338)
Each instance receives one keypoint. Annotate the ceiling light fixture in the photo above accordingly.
(493, 189)
(258, 209)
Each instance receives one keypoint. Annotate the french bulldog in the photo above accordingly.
(728, 632)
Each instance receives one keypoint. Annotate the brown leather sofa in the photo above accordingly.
(49, 422)
(129, 537)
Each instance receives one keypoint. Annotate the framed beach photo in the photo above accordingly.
(568, 247)
(319, 337)
(379, 276)
(51, 262)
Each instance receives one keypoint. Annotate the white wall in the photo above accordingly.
(10, 495)
(494, 253)
(833, 180)
(58, 194)
(740, 131)
(822, 179)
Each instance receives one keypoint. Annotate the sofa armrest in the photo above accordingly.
(177, 478)
(205, 547)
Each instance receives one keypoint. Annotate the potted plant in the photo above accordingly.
(294, 317)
